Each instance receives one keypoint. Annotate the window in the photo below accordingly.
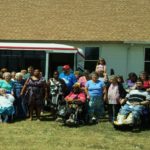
(91, 57)
(147, 60)
(17, 60)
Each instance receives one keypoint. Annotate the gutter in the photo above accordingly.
(137, 42)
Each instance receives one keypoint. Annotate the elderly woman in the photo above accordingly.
(6, 105)
(19, 103)
(7, 84)
(36, 88)
(78, 97)
(95, 90)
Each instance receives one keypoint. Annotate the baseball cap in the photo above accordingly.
(66, 67)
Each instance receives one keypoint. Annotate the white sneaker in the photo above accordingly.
(93, 119)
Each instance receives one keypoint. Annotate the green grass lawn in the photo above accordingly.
(48, 134)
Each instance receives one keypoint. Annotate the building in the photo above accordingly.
(51, 33)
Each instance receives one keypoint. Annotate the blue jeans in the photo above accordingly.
(136, 110)
(96, 107)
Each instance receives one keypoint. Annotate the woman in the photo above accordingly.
(131, 82)
(57, 89)
(95, 90)
(78, 97)
(84, 78)
(7, 84)
(6, 105)
(146, 82)
(19, 103)
(35, 87)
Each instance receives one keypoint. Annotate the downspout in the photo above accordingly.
(46, 65)
(127, 60)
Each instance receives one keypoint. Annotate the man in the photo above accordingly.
(68, 77)
(29, 74)
(136, 100)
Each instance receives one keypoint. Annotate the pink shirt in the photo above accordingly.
(113, 94)
(100, 68)
(81, 96)
(82, 80)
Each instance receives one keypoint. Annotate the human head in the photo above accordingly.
(36, 73)
(77, 74)
(30, 70)
(144, 76)
(94, 76)
(86, 73)
(7, 76)
(55, 74)
(139, 84)
(13, 73)
(66, 68)
(23, 71)
(19, 76)
(76, 87)
(3, 70)
(113, 79)
(120, 79)
(101, 61)
(132, 77)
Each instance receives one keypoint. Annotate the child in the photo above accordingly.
(101, 66)
(115, 94)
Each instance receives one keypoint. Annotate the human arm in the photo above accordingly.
(105, 96)
(105, 69)
(24, 87)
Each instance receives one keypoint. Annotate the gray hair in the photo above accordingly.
(6, 74)
(18, 74)
(94, 74)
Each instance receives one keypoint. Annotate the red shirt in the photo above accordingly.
(146, 84)
(81, 96)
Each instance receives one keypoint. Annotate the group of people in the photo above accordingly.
(24, 92)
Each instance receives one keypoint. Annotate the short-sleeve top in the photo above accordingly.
(95, 88)
(6, 85)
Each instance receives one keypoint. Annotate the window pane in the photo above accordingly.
(92, 53)
(90, 65)
(147, 67)
(147, 54)
(17, 60)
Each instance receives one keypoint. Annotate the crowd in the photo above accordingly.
(74, 97)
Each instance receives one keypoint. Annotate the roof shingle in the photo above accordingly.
(79, 20)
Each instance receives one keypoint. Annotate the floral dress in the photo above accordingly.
(36, 91)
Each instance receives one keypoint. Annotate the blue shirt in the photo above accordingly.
(95, 88)
(69, 79)
(17, 87)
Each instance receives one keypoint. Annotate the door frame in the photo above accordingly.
(59, 51)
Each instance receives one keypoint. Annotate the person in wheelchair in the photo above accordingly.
(136, 103)
(6, 106)
(75, 103)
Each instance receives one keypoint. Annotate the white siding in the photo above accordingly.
(115, 56)
(123, 58)
(136, 59)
